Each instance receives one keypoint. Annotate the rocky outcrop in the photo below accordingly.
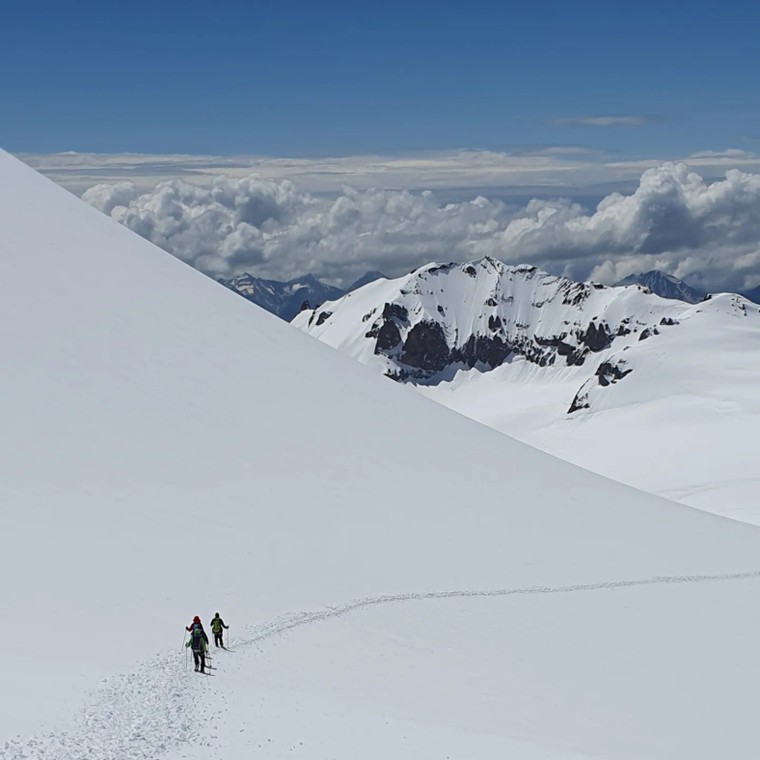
(388, 338)
(487, 350)
(426, 348)
(610, 372)
(597, 337)
(607, 373)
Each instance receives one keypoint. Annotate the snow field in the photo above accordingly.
(170, 450)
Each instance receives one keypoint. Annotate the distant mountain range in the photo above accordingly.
(286, 299)
(665, 286)
(444, 318)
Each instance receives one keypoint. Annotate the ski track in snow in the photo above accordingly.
(141, 715)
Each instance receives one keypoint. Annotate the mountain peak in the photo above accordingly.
(368, 277)
(284, 299)
(664, 285)
(482, 313)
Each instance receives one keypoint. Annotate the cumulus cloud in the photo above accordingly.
(675, 220)
(706, 232)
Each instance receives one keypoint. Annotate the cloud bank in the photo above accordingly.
(604, 121)
(534, 171)
(705, 232)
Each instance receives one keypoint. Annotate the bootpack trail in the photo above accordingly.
(153, 709)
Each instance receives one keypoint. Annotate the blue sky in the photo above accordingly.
(334, 78)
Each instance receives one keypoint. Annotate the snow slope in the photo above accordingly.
(400, 581)
(655, 393)
(683, 424)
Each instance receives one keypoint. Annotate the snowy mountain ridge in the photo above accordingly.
(444, 318)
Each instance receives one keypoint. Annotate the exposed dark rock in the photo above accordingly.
(437, 269)
(648, 333)
(494, 323)
(573, 355)
(441, 310)
(425, 347)
(395, 310)
(471, 271)
(580, 401)
(597, 337)
(491, 302)
(388, 337)
(668, 321)
(576, 293)
(491, 351)
(608, 372)
(323, 317)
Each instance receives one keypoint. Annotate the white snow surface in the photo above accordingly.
(682, 424)
(399, 580)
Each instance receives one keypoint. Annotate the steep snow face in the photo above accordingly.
(665, 285)
(399, 581)
(659, 394)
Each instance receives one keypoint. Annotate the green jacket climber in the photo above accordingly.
(217, 626)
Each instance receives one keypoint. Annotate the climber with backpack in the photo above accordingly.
(217, 627)
(198, 641)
